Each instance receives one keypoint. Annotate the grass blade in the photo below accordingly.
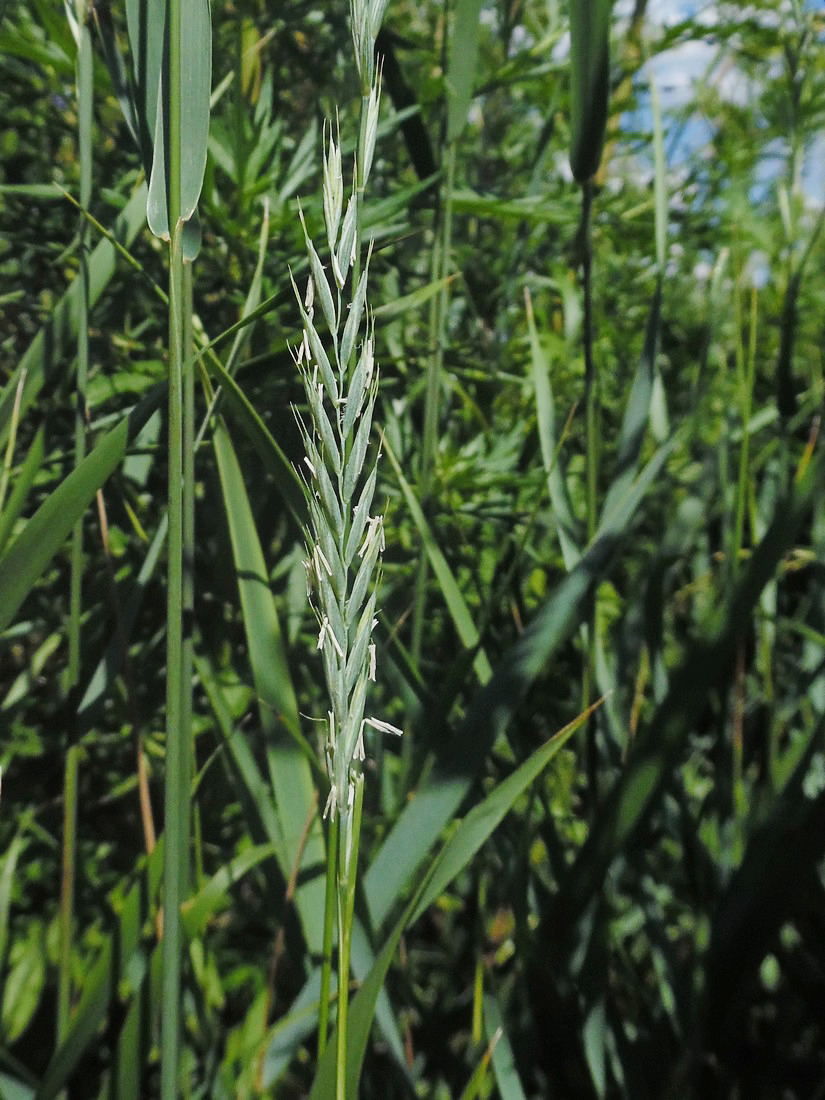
(195, 76)
(7, 873)
(637, 411)
(30, 553)
(11, 1089)
(462, 68)
(289, 771)
(589, 84)
(562, 510)
(418, 826)
(456, 853)
(22, 483)
(504, 1064)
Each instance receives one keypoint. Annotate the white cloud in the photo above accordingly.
(677, 70)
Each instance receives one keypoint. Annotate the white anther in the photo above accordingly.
(359, 753)
(336, 270)
(320, 558)
(383, 727)
(327, 632)
(332, 801)
(373, 525)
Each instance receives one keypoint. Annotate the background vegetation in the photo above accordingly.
(645, 916)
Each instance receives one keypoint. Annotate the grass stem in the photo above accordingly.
(348, 846)
(85, 95)
(177, 746)
(330, 904)
(64, 969)
(591, 399)
(442, 246)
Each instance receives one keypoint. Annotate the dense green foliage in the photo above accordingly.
(600, 477)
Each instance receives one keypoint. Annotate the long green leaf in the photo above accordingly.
(196, 86)
(22, 483)
(197, 910)
(456, 853)
(8, 870)
(146, 23)
(289, 770)
(11, 1089)
(462, 67)
(562, 511)
(589, 84)
(453, 772)
(504, 1064)
(637, 411)
(409, 303)
(29, 555)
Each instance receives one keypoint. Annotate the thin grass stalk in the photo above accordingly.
(188, 581)
(176, 749)
(176, 746)
(435, 368)
(476, 1028)
(746, 371)
(592, 458)
(422, 573)
(589, 95)
(67, 880)
(432, 386)
(330, 908)
(12, 440)
(347, 874)
(590, 380)
(85, 93)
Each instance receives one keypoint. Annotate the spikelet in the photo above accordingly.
(344, 541)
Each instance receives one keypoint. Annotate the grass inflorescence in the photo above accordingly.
(596, 426)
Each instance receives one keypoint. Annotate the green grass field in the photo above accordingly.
(519, 377)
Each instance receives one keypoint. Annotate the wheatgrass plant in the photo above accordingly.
(344, 541)
(172, 60)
